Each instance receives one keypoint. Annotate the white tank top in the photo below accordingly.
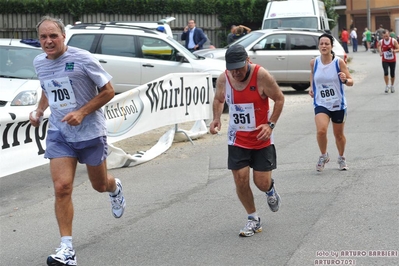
(327, 88)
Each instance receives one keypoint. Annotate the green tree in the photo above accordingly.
(331, 14)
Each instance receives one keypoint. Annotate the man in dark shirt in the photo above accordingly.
(194, 37)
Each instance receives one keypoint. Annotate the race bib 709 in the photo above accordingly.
(60, 93)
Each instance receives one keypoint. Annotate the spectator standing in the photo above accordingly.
(75, 87)
(378, 33)
(246, 88)
(230, 36)
(388, 47)
(392, 34)
(345, 39)
(240, 31)
(367, 34)
(328, 76)
(364, 41)
(194, 37)
(354, 39)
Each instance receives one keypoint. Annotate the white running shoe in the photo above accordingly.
(63, 256)
(392, 89)
(342, 163)
(323, 159)
(118, 202)
(387, 89)
(251, 227)
(273, 198)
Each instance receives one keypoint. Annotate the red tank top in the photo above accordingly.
(250, 94)
(388, 56)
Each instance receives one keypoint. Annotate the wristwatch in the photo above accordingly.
(271, 125)
(346, 80)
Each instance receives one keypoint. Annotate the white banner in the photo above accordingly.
(169, 100)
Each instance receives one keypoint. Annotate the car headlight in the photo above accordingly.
(25, 98)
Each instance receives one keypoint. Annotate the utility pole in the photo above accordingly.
(368, 15)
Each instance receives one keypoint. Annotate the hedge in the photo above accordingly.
(247, 12)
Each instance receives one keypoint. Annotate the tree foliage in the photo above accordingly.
(246, 12)
(331, 14)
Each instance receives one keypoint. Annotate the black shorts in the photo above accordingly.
(260, 160)
(337, 117)
(391, 66)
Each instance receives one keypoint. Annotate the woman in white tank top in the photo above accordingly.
(327, 79)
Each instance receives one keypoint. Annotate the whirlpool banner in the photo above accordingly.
(170, 100)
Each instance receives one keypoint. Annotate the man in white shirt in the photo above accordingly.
(354, 39)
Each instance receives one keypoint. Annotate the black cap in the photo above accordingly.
(236, 57)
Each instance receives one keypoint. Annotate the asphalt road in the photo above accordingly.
(182, 208)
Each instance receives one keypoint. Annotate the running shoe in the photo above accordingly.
(392, 89)
(387, 89)
(63, 256)
(118, 202)
(342, 163)
(323, 159)
(251, 227)
(273, 198)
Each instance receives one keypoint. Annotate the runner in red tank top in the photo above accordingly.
(388, 47)
(246, 88)
(250, 94)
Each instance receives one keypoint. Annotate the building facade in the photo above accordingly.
(368, 13)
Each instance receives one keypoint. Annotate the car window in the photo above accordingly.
(17, 62)
(152, 48)
(177, 37)
(303, 42)
(294, 22)
(273, 42)
(82, 41)
(247, 39)
(118, 45)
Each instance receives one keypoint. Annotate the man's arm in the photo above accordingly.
(184, 34)
(202, 37)
(218, 104)
(396, 45)
(76, 117)
(248, 30)
(41, 107)
(272, 90)
(379, 47)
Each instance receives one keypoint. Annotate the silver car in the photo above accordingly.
(286, 54)
(19, 86)
(134, 55)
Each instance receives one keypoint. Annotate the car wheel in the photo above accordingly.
(301, 86)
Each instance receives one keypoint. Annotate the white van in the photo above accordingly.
(298, 14)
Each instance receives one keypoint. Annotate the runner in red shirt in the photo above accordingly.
(388, 47)
(247, 89)
(345, 39)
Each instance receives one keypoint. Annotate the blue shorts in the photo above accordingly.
(260, 160)
(91, 152)
(337, 117)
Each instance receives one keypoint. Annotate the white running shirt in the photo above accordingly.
(328, 89)
(69, 82)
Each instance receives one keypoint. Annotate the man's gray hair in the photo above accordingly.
(57, 21)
